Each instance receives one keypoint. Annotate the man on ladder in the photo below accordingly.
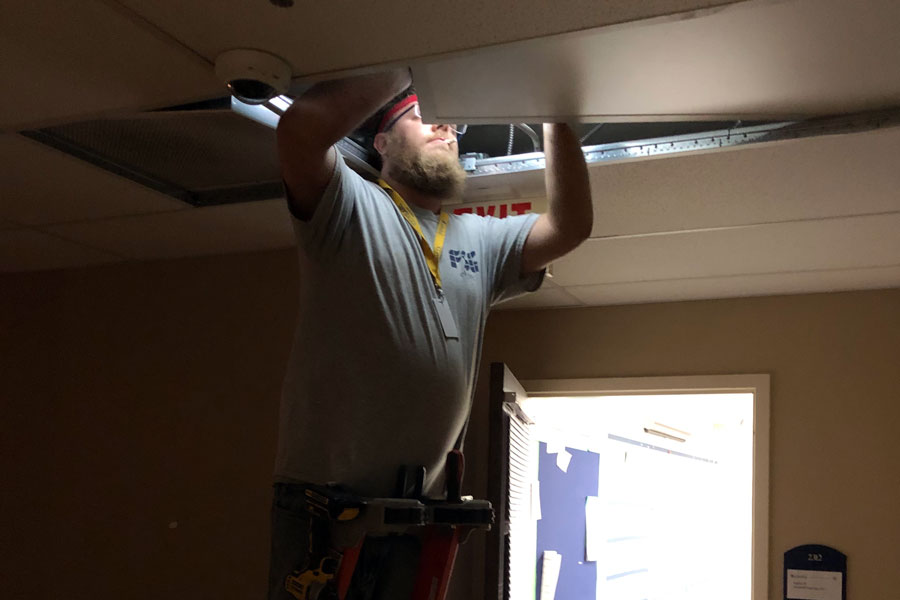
(394, 295)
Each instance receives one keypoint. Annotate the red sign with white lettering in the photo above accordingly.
(500, 211)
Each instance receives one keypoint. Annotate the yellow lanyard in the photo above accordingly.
(432, 257)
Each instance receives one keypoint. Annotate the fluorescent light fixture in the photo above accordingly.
(663, 434)
(281, 102)
(256, 112)
(670, 428)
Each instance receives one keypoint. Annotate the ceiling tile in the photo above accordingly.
(806, 179)
(42, 186)
(844, 243)
(348, 34)
(752, 60)
(738, 286)
(71, 59)
(524, 184)
(548, 296)
(30, 250)
(232, 228)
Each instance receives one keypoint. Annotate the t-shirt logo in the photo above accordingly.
(466, 259)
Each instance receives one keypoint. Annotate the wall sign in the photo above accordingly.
(815, 572)
(502, 209)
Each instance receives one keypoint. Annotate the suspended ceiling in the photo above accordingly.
(753, 60)
(803, 216)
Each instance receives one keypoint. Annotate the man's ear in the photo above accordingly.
(380, 143)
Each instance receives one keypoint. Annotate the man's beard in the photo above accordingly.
(435, 173)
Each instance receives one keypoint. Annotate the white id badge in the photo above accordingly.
(447, 322)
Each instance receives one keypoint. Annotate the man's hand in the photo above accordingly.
(319, 119)
(570, 217)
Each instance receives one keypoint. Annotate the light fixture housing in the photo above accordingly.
(253, 76)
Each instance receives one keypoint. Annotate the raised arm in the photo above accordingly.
(569, 219)
(320, 118)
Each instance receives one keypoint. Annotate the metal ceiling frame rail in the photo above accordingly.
(707, 141)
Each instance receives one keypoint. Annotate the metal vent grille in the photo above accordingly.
(195, 151)
(200, 156)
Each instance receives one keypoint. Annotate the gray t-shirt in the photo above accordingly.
(372, 382)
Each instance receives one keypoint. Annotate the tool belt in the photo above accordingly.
(345, 520)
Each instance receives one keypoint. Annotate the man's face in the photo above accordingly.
(427, 137)
(422, 155)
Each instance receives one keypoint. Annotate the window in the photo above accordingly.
(660, 484)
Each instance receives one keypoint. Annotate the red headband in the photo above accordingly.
(397, 108)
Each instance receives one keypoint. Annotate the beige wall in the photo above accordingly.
(834, 361)
(138, 395)
(133, 397)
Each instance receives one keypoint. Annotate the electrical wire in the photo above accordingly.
(535, 140)
(593, 130)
